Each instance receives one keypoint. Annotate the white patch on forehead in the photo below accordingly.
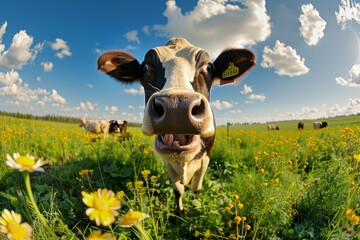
(179, 64)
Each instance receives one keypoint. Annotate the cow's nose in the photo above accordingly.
(182, 114)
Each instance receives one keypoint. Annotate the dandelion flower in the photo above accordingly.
(145, 173)
(131, 218)
(197, 234)
(207, 234)
(24, 163)
(102, 206)
(10, 224)
(96, 235)
(237, 219)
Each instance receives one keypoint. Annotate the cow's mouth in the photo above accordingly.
(176, 143)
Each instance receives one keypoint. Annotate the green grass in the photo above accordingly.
(292, 184)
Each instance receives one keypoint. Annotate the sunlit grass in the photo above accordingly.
(260, 184)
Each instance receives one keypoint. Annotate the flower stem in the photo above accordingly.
(142, 231)
(32, 200)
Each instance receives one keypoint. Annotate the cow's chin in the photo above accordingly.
(178, 147)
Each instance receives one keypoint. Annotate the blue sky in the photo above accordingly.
(308, 55)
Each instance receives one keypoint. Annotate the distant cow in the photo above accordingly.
(273, 127)
(118, 126)
(318, 125)
(96, 126)
(177, 78)
(301, 126)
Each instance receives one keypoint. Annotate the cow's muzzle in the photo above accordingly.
(178, 112)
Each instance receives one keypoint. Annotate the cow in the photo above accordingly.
(301, 126)
(114, 127)
(273, 127)
(118, 126)
(177, 78)
(319, 125)
(96, 126)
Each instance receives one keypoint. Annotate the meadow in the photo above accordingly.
(260, 184)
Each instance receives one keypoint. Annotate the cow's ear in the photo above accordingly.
(120, 65)
(232, 63)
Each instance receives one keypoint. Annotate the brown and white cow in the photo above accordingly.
(177, 78)
(273, 127)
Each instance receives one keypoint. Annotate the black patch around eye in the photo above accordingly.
(144, 68)
(210, 68)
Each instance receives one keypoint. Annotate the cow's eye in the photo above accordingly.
(144, 68)
(210, 68)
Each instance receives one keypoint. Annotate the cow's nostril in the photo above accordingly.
(158, 107)
(198, 109)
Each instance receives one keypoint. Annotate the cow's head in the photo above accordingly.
(177, 78)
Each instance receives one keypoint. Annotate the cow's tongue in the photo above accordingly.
(174, 140)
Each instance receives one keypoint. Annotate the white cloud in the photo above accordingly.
(256, 97)
(9, 78)
(19, 53)
(132, 36)
(131, 107)
(89, 85)
(88, 106)
(48, 66)
(354, 80)
(2, 32)
(237, 111)
(134, 91)
(312, 25)
(146, 30)
(220, 105)
(244, 23)
(112, 109)
(62, 48)
(247, 89)
(22, 93)
(348, 11)
(55, 97)
(284, 59)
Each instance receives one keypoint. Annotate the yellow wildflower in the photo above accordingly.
(102, 206)
(240, 205)
(247, 227)
(236, 197)
(357, 157)
(131, 218)
(232, 236)
(24, 163)
(355, 220)
(85, 172)
(145, 173)
(197, 233)
(237, 219)
(207, 234)
(262, 171)
(96, 235)
(10, 224)
(120, 194)
(139, 183)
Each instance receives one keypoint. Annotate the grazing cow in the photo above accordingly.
(118, 126)
(273, 127)
(301, 126)
(318, 125)
(177, 78)
(95, 126)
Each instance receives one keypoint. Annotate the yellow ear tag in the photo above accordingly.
(231, 71)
